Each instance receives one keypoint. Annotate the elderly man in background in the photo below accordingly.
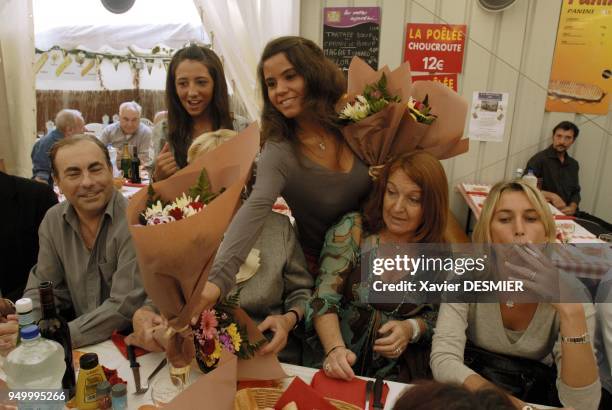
(67, 123)
(85, 247)
(129, 130)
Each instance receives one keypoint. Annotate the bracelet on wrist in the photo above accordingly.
(580, 340)
(297, 317)
(416, 330)
(332, 349)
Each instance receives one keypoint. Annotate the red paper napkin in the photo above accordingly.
(351, 392)
(564, 217)
(304, 396)
(119, 341)
(127, 183)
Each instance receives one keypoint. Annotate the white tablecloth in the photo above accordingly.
(110, 357)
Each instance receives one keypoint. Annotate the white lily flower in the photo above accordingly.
(357, 111)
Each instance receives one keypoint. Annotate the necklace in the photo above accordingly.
(509, 304)
(320, 144)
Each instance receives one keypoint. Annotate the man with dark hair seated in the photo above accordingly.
(559, 175)
(23, 205)
(85, 247)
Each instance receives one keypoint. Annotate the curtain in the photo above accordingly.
(17, 92)
(240, 30)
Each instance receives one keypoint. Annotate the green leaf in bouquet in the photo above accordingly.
(378, 105)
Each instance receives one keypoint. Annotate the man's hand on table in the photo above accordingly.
(149, 330)
(554, 199)
(570, 209)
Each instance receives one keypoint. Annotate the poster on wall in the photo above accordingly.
(351, 31)
(435, 48)
(449, 80)
(488, 116)
(582, 64)
(54, 65)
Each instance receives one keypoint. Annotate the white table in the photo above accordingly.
(476, 194)
(110, 357)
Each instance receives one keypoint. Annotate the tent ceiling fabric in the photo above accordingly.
(95, 38)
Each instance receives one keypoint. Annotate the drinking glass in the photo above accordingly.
(165, 388)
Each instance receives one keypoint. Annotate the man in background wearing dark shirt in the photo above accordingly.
(559, 175)
(23, 204)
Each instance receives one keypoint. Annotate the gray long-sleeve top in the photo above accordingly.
(102, 285)
(282, 281)
(482, 324)
(317, 196)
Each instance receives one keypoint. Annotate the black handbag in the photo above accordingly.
(525, 379)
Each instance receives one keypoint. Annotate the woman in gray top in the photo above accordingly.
(304, 157)
(197, 101)
(515, 212)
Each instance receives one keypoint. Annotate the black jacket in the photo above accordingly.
(23, 204)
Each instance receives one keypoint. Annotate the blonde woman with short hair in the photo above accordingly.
(209, 141)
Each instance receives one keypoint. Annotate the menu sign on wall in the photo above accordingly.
(349, 32)
(435, 47)
(580, 76)
(488, 116)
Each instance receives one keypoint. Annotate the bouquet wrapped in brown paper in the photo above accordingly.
(221, 382)
(388, 115)
(175, 258)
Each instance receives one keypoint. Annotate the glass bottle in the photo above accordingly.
(54, 327)
(135, 167)
(126, 161)
(119, 396)
(103, 397)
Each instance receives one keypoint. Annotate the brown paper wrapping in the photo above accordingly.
(175, 258)
(215, 390)
(221, 383)
(393, 131)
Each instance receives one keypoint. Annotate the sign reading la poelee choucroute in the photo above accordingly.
(435, 48)
(349, 32)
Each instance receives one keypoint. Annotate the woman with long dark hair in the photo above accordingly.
(197, 102)
(304, 158)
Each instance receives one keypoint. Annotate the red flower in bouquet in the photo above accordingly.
(218, 330)
(184, 206)
(176, 213)
(208, 347)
